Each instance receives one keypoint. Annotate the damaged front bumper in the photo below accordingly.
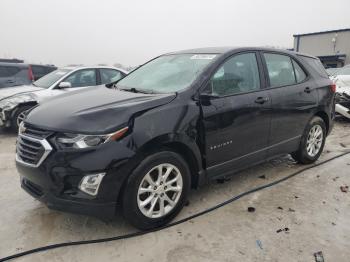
(4, 121)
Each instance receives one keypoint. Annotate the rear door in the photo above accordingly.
(293, 100)
(236, 119)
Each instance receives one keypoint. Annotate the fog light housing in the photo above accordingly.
(91, 183)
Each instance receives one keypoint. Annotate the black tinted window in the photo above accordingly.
(316, 65)
(86, 77)
(299, 72)
(239, 74)
(39, 70)
(280, 70)
(109, 75)
(8, 71)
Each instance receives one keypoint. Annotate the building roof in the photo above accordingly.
(323, 32)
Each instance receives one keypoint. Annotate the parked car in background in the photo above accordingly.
(16, 74)
(342, 80)
(16, 101)
(173, 123)
(332, 71)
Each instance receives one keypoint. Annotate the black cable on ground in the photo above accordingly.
(140, 233)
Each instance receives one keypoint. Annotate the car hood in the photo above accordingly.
(93, 111)
(16, 90)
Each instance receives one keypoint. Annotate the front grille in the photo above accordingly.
(32, 147)
(31, 131)
(29, 151)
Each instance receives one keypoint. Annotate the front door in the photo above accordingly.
(236, 119)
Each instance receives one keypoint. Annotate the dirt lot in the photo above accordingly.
(311, 206)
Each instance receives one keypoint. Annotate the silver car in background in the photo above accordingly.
(15, 102)
(342, 81)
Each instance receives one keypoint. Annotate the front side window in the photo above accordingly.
(109, 75)
(167, 74)
(51, 78)
(280, 70)
(239, 74)
(85, 77)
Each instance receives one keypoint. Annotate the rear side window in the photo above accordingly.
(316, 65)
(280, 70)
(8, 71)
(299, 72)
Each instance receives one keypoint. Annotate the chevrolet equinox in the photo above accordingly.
(174, 123)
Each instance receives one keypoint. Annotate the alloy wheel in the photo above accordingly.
(160, 190)
(314, 140)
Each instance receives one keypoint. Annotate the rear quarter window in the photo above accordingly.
(316, 65)
(39, 70)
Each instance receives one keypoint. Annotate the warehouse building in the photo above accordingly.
(332, 47)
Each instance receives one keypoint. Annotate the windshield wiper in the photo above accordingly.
(134, 90)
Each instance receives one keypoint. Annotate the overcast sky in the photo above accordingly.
(130, 32)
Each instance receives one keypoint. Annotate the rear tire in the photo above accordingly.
(312, 142)
(150, 198)
(18, 117)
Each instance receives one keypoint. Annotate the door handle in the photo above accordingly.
(307, 90)
(10, 81)
(261, 100)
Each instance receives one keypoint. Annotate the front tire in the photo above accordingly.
(19, 116)
(312, 142)
(156, 191)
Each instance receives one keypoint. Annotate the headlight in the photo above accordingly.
(85, 141)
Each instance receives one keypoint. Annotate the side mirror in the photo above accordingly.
(206, 98)
(64, 85)
(109, 85)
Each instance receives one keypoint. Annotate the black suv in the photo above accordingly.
(174, 123)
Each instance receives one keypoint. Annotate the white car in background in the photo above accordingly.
(16, 101)
(342, 81)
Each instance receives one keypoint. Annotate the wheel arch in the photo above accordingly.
(30, 103)
(182, 145)
(323, 115)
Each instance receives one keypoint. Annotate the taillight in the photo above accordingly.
(30, 74)
(333, 87)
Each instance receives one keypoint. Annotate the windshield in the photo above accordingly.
(49, 79)
(344, 71)
(167, 74)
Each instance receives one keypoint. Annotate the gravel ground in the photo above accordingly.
(310, 209)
